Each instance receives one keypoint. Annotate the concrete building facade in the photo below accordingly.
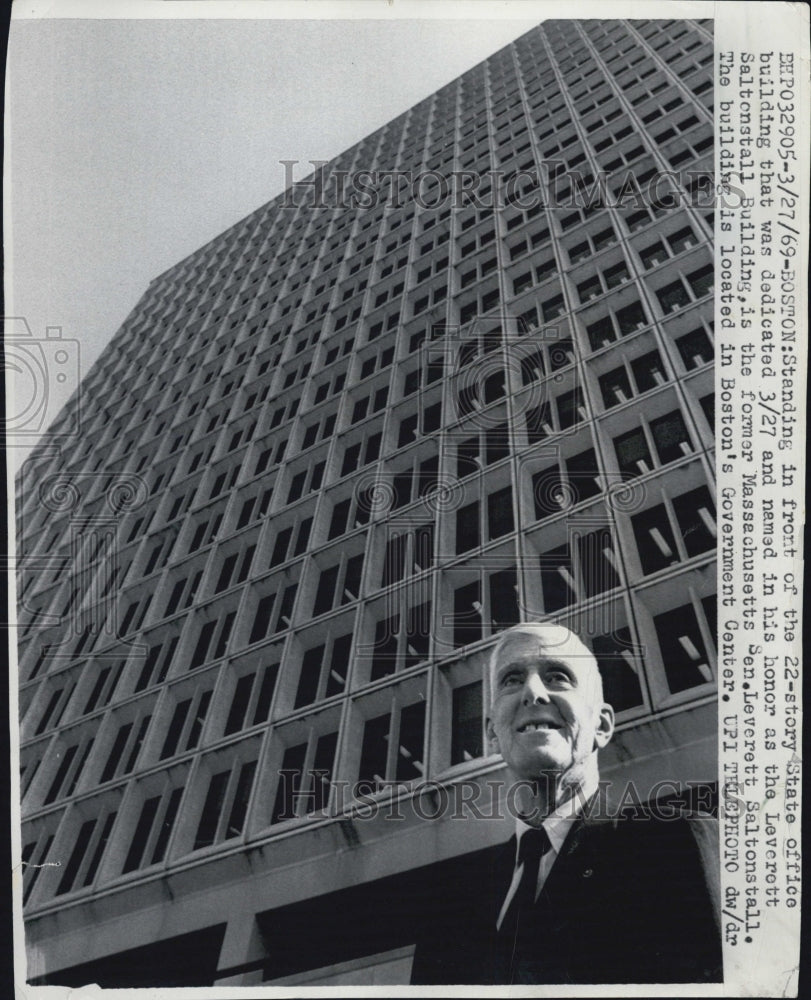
(326, 459)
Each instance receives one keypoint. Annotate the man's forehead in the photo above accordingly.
(551, 642)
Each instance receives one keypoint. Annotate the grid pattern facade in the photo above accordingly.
(354, 445)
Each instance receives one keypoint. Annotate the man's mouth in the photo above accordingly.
(534, 727)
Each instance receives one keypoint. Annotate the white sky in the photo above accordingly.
(137, 130)
(134, 142)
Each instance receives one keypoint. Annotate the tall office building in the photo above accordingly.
(324, 461)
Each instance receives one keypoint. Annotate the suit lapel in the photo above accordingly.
(501, 875)
(578, 861)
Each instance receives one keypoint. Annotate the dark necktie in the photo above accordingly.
(534, 843)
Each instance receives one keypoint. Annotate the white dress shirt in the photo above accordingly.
(557, 825)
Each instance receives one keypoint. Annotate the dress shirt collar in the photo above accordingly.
(558, 823)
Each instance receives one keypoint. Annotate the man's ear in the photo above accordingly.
(605, 727)
(492, 739)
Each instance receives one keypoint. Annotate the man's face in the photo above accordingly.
(547, 713)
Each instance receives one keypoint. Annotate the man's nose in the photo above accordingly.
(535, 690)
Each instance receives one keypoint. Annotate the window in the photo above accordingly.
(136, 611)
(226, 804)
(282, 550)
(418, 479)
(324, 670)
(281, 546)
(670, 437)
(270, 604)
(401, 640)
(628, 380)
(254, 507)
(591, 243)
(407, 552)
(123, 754)
(619, 669)
(153, 830)
(466, 723)
(681, 240)
(212, 640)
(224, 480)
(495, 603)
(500, 513)
(695, 348)
(673, 296)
(319, 431)
(633, 454)
(376, 362)
(305, 481)
(155, 668)
(88, 847)
(392, 748)
(624, 321)
(701, 280)
(571, 408)
(653, 254)
(186, 723)
(426, 421)
(563, 486)
(361, 453)
(539, 423)
(694, 532)
(182, 594)
(234, 568)
(304, 777)
(159, 555)
(34, 855)
(69, 771)
(683, 647)
(552, 308)
(637, 220)
(603, 281)
(532, 367)
(483, 449)
(206, 531)
(470, 530)
(484, 303)
(580, 568)
(707, 404)
(338, 584)
(271, 455)
(527, 243)
(250, 703)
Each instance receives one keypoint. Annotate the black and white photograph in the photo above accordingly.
(367, 506)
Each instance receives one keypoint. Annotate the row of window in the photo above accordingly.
(633, 449)
(656, 442)
(694, 348)
(389, 745)
(678, 528)
(302, 345)
(675, 296)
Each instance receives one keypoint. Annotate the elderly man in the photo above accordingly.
(575, 896)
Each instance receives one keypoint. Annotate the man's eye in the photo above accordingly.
(557, 677)
(509, 679)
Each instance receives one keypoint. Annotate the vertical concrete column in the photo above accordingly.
(241, 945)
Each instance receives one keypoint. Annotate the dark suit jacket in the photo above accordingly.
(628, 900)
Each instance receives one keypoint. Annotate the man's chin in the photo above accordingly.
(539, 769)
